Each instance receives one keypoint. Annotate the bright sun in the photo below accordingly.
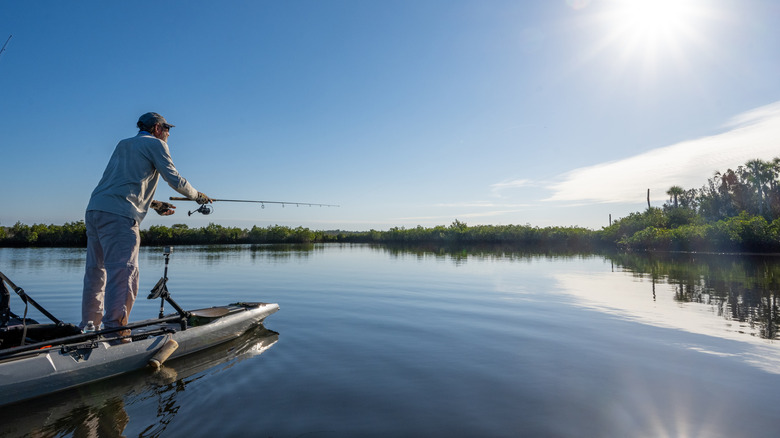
(653, 27)
(653, 19)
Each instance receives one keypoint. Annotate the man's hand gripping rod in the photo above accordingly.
(207, 209)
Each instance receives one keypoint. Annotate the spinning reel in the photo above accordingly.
(204, 209)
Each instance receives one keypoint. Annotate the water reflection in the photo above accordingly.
(462, 254)
(740, 289)
(212, 255)
(474, 342)
(61, 259)
(100, 409)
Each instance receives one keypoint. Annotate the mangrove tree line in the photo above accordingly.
(735, 211)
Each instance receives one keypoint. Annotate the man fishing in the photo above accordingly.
(116, 208)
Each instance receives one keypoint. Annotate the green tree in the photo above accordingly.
(758, 174)
(675, 192)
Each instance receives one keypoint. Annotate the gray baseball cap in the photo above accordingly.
(151, 119)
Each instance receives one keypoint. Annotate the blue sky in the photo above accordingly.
(405, 113)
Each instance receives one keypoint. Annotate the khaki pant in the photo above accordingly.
(111, 276)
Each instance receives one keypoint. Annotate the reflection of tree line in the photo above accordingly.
(35, 261)
(743, 289)
(461, 253)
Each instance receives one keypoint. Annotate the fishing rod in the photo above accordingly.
(6, 43)
(207, 209)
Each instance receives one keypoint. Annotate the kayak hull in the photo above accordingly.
(57, 367)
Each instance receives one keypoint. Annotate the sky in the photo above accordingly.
(403, 113)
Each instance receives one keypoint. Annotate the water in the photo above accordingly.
(371, 341)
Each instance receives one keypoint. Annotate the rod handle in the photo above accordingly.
(163, 353)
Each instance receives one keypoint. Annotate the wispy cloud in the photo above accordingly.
(482, 204)
(462, 215)
(497, 188)
(754, 134)
(512, 184)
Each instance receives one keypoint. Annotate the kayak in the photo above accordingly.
(53, 415)
(39, 359)
(61, 357)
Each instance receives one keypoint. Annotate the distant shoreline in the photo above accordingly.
(743, 235)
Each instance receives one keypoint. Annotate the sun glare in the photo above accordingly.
(653, 18)
(657, 34)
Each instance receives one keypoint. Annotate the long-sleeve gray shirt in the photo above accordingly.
(130, 179)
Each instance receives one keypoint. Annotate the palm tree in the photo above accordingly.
(773, 170)
(759, 173)
(675, 192)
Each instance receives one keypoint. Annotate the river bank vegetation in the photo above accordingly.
(735, 211)
(74, 234)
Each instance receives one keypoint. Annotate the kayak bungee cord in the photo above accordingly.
(206, 209)
(27, 300)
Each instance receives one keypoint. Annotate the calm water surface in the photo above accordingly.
(371, 341)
